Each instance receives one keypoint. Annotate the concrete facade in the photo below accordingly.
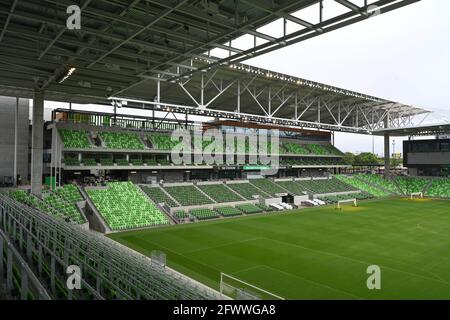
(7, 120)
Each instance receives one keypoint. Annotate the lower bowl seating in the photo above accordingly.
(268, 186)
(320, 186)
(220, 193)
(187, 195)
(362, 185)
(159, 196)
(181, 215)
(124, 206)
(228, 211)
(247, 190)
(249, 208)
(61, 203)
(204, 214)
(439, 188)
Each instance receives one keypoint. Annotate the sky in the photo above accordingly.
(402, 56)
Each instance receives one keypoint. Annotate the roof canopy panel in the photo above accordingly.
(193, 47)
(424, 130)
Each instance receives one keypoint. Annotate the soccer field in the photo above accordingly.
(318, 253)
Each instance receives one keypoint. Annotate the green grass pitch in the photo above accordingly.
(318, 253)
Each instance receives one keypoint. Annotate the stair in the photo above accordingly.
(427, 186)
(398, 187)
(98, 223)
(170, 196)
(213, 201)
(161, 208)
(236, 193)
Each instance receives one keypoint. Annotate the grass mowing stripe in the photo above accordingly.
(317, 283)
(320, 245)
(363, 262)
(222, 245)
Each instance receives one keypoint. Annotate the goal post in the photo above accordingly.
(342, 202)
(416, 195)
(240, 290)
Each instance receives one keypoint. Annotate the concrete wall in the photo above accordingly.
(7, 117)
(299, 199)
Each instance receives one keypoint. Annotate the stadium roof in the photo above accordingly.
(124, 47)
(273, 97)
(423, 130)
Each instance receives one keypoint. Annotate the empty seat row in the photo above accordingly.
(220, 193)
(124, 206)
(362, 185)
(159, 196)
(121, 140)
(187, 195)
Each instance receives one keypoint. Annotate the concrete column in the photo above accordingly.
(37, 137)
(387, 152)
(16, 139)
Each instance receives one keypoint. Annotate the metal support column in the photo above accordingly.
(239, 96)
(202, 93)
(387, 152)
(387, 160)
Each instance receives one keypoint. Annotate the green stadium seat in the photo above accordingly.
(362, 185)
(340, 197)
(106, 161)
(228, 211)
(137, 161)
(75, 139)
(220, 193)
(410, 185)
(249, 208)
(268, 186)
(61, 203)
(124, 206)
(151, 162)
(159, 196)
(121, 140)
(204, 214)
(319, 186)
(89, 162)
(181, 215)
(294, 148)
(380, 182)
(247, 190)
(71, 161)
(187, 195)
(122, 161)
(162, 142)
(293, 187)
(439, 188)
(265, 208)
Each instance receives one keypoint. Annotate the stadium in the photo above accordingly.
(166, 172)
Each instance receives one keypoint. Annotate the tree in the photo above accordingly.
(395, 162)
(349, 158)
(366, 158)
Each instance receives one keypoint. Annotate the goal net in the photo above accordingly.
(342, 203)
(416, 195)
(241, 290)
